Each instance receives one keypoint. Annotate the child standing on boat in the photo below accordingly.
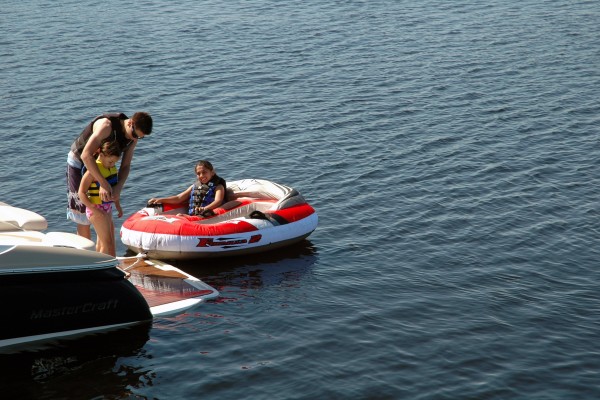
(100, 212)
(206, 194)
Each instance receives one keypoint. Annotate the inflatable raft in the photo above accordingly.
(258, 215)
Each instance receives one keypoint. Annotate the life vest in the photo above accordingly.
(94, 190)
(117, 134)
(204, 193)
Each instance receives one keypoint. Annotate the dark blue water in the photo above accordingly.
(450, 149)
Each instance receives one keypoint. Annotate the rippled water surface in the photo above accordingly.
(450, 149)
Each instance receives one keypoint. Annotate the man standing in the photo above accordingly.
(107, 127)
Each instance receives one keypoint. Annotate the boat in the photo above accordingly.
(54, 288)
(167, 289)
(258, 215)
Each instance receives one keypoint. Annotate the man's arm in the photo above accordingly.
(124, 169)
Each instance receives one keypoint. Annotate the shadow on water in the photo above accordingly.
(62, 368)
(251, 270)
(257, 270)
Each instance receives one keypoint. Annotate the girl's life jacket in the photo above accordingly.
(111, 177)
(204, 193)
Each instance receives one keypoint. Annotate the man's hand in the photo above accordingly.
(106, 195)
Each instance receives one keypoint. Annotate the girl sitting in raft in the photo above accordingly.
(206, 194)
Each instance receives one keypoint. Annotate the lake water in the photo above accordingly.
(449, 148)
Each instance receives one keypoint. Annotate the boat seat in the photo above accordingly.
(15, 218)
(237, 212)
(21, 237)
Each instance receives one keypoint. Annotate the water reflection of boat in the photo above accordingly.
(52, 290)
(56, 369)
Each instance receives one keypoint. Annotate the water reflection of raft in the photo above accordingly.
(259, 215)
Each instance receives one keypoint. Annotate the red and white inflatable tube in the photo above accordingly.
(283, 217)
